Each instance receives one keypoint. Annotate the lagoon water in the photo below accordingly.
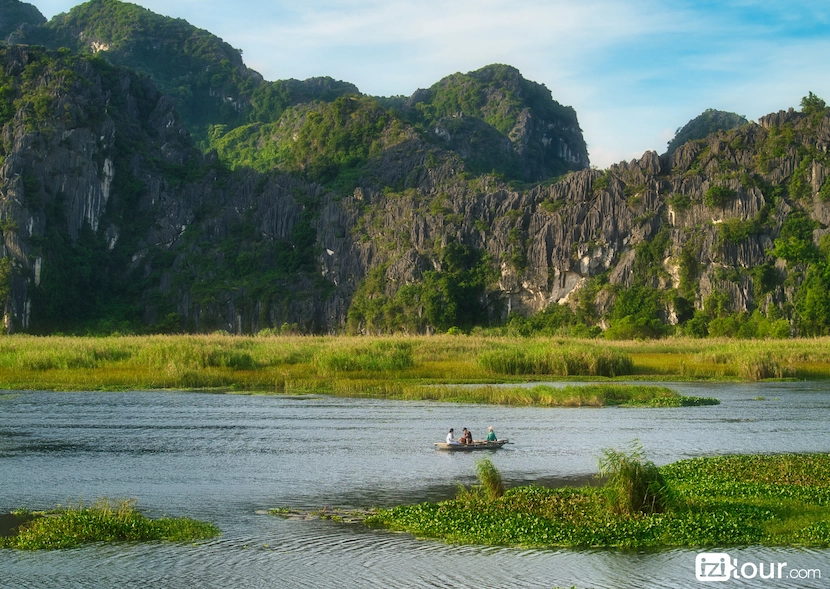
(223, 458)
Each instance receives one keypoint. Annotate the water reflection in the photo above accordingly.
(223, 457)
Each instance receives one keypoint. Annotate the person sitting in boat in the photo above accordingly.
(491, 435)
(466, 437)
(450, 437)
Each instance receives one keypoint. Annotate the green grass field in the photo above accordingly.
(388, 367)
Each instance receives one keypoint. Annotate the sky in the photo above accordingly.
(634, 70)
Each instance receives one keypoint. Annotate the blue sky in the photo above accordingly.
(634, 71)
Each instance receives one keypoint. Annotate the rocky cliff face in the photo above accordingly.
(108, 209)
(70, 175)
(549, 242)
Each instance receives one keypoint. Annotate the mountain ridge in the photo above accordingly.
(468, 204)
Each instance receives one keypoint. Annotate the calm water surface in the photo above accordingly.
(224, 457)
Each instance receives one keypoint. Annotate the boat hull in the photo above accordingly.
(482, 445)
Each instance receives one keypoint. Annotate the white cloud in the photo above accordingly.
(441, 34)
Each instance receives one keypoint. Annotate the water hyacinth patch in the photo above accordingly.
(104, 521)
(781, 500)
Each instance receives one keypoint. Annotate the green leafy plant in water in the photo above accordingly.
(490, 479)
(490, 484)
(104, 521)
(633, 484)
(778, 500)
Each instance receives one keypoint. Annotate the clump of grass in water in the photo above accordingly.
(633, 484)
(104, 521)
(490, 483)
(490, 478)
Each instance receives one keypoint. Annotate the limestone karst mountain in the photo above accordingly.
(151, 181)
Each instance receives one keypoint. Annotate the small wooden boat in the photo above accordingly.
(476, 445)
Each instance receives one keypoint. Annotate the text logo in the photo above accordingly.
(719, 566)
(713, 566)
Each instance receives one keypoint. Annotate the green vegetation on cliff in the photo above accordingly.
(205, 74)
(710, 121)
(13, 14)
(218, 97)
(207, 77)
(193, 65)
(496, 93)
(327, 142)
(454, 296)
(508, 103)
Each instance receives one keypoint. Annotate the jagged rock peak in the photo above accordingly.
(779, 118)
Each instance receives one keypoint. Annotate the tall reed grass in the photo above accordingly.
(375, 357)
(490, 479)
(633, 483)
(545, 360)
(395, 366)
(490, 484)
(594, 395)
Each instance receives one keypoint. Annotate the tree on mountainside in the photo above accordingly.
(814, 107)
(812, 104)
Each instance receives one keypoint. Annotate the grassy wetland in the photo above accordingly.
(781, 500)
(104, 521)
(390, 367)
